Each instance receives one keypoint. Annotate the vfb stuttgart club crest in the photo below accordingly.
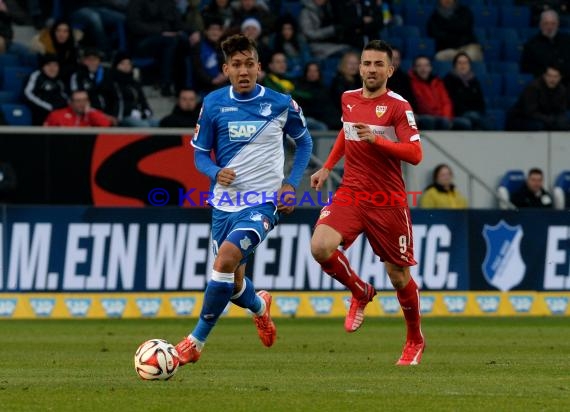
(503, 266)
(380, 110)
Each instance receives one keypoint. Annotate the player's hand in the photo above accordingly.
(286, 199)
(226, 176)
(364, 132)
(319, 177)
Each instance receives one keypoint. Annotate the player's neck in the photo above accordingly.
(368, 94)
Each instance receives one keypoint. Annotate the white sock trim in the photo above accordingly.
(237, 295)
(261, 310)
(222, 277)
(199, 343)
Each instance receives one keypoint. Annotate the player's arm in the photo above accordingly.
(410, 152)
(320, 176)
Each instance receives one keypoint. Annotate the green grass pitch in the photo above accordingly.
(470, 364)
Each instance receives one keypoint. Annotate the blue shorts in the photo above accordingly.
(254, 222)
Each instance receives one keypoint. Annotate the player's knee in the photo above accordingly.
(398, 277)
(320, 249)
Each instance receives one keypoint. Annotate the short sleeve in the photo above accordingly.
(204, 133)
(296, 125)
(405, 123)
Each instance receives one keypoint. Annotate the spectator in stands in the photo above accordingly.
(79, 113)
(442, 193)
(100, 20)
(95, 79)
(542, 104)
(466, 94)
(359, 20)
(129, 103)
(451, 26)
(252, 9)
(288, 41)
(549, 47)
(533, 194)
(186, 111)
(434, 108)
(347, 76)
(7, 44)
(399, 82)
(316, 100)
(251, 28)
(219, 10)
(191, 13)
(276, 77)
(60, 40)
(45, 91)
(318, 24)
(157, 30)
(207, 58)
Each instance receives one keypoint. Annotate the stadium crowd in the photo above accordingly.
(480, 65)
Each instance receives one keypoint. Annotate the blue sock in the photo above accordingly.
(216, 297)
(247, 298)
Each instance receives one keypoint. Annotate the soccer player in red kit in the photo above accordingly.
(379, 131)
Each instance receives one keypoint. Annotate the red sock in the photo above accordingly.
(409, 299)
(338, 267)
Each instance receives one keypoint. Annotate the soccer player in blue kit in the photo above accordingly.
(244, 126)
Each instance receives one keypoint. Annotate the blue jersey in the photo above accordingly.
(246, 134)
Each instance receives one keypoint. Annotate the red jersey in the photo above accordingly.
(389, 116)
(68, 118)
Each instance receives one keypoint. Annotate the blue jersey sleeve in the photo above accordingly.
(302, 157)
(204, 134)
(296, 125)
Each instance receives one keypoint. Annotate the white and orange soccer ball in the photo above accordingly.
(156, 359)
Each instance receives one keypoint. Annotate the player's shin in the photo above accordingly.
(339, 268)
(409, 298)
(216, 297)
(247, 298)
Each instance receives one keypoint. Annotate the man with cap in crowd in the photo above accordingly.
(92, 77)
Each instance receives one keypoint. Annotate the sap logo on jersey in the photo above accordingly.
(78, 307)
(42, 307)
(243, 131)
(114, 308)
(7, 307)
(322, 305)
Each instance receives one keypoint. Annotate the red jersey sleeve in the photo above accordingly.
(405, 124)
(337, 151)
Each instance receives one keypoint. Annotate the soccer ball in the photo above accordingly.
(156, 359)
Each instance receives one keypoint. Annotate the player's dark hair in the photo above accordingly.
(553, 66)
(535, 171)
(379, 45)
(238, 43)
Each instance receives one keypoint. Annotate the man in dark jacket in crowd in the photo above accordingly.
(532, 194)
(44, 90)
(542, 105)
(94, 78)
(186, 111)
(549, 47)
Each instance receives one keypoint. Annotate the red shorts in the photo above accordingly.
(388, 230)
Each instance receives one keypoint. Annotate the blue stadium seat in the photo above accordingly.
(479, 68)
(9, 60)
(514, 16)
(492, 49)
(480, 33)
(14, 77)
(496, 118)
(420, 46)
(486, 16)
(396, 42)
(512, 52)
(492, 85)
(503, 2)
(329, 67)
(8, 97)
(417, 15)
(502, 102)
(503, 67)
(441, 68)
(406, 64)
(526, 33)
(511, 182)
(16, 114)
(505, 34)
(515, 83)
(291, 7)
(561, 190)
(403, 32)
